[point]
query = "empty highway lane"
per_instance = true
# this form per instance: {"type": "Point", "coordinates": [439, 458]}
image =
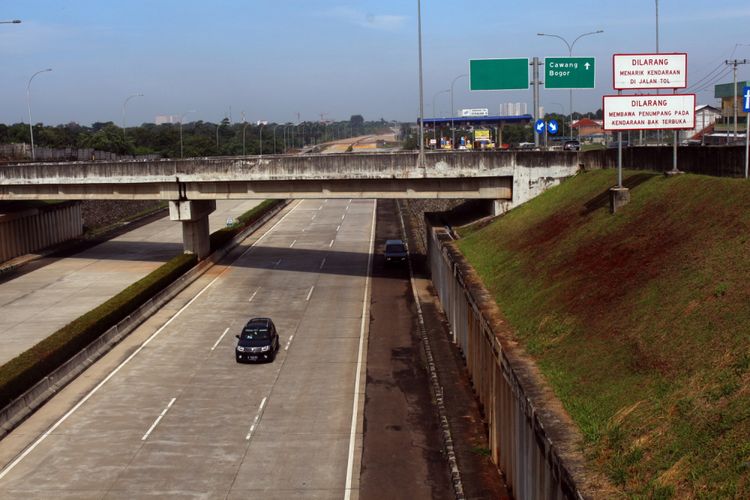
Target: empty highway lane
{"type": "Point", "coordinates": [169, 413]}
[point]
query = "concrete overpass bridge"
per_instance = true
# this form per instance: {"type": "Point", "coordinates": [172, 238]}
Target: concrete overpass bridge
{"type": "Point", "coordinates": [192, 186]}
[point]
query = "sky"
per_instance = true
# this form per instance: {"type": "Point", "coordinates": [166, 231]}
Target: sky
{"type": "Point", "coordinates": [284, 61]}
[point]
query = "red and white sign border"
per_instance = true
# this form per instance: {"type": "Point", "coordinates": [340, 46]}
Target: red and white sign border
{"type": "Point", "coordinates": [652, 54]}
{"type": "Point", "coordinates": [656, 96]}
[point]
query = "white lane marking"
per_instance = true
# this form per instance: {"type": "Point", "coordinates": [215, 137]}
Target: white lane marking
{"type": "Point", "coordinates": [295, 241]}
{"type": "Point", "coordinates": [320, 207]}
{"type": "Point", "coordinates": [362, 330]}
{"type": "Point", "coordinates": [313, 217]}
{"type": "Point", "coordinates": [338, 227]}
{"type": "Point", "coordinates": [256, 419]}
{"type": "Point", "coordinates": [253, 295]}
{"type": "Point", "coordinates": [222, 335]}
{"type": "Point", "coordinates": [93, 391]}
{"type": "Point", "coordinates": [158, 419]}
{"type": "Point", "coordinates": [342, 217]}
{"type": "Point", "coordinates": [322, 263]}
{"type": "Point", "coordinates": [275, 265]}
{"type": "Point", "coordinates": [331, 243]}
{"type": "Point", "coordinates": [289, 342]}
{"type": "Point", "coordinates": [309, 294]}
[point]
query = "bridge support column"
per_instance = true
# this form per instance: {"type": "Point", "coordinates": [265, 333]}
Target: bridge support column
{"type": "Point", "coordinates": [194, 218]}
{"type": "Point", "coordinates": [499, 207]}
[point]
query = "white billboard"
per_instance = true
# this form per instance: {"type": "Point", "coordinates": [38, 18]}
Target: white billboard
{"type": "Point", "coordinates": [649, 112]}
{"type": "Point", "coordinates": [475, 112]}
{"type": "Point", "coordinates": [649, 71]}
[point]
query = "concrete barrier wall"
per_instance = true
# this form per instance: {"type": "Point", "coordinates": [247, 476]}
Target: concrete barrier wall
{"type": "Point", "coordinates": [30, 230]}
{"type": "Point", "coordinates": [521, 412]}
{"type": "Point", "coordinates": [720, 161]}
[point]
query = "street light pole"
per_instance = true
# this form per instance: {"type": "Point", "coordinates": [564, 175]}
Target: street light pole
{"type": "Point", "coordinates": [260, 137]}
{"type": "Point", "coordinates": [124, 107]}
{"type": "Point", "coordinates": [421, 87]}
{"type": "Point", "coordinates": [244, 127]}
{"type": "Point", "coordinates": [28, 104]}
{"type": "Point", "coordinates": [181, 120]}
{"type": "Point", "coordinates": [570, 54]}
{"type": "Point", "coordinates": [453, 112]}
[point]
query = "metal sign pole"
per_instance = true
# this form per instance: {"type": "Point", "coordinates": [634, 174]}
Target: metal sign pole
{"type": "Point", "coordinates": [535, 84]}
{"type": "Point", "coordinates": [619, 154]}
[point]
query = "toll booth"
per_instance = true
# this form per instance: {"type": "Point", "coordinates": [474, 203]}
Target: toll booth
{"type": "Point", "coordinates": [470, 132]}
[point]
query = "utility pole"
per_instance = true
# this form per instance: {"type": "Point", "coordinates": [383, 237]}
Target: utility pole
{"type": "Point", "coordinates": [734, 63]}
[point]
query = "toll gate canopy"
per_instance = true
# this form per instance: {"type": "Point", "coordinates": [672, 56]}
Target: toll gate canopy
{"type": "Point", "coordinates": [442, 128]}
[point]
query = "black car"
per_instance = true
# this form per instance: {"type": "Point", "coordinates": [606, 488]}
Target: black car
{"type": "Point", "coordinates": [572, 146]}
{"type": "Point", "coordinates": [395, 251]}
{"type": "Point", "coordinates": [258, 341]}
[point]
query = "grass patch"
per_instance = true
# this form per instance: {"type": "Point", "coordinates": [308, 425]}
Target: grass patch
{"type": "Point", "coordinates": [639, 320]}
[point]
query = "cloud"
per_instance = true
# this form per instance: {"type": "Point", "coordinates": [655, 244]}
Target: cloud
{"type": "Point", "coordinates": [350, 15]}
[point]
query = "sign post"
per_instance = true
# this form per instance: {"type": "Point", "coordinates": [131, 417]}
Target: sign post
{"type": "Point", "coordinates": [647, 112]}
{"type": "Point", "coordinates": [746, 109]}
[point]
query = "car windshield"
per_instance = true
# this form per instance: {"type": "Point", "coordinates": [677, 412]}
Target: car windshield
{"type": "Point", "coordinates": [255, 333]}
{"type": "Point", "coordinates": [395, 248]}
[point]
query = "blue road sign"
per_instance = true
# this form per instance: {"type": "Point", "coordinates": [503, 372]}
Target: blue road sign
{"type": "Point", "coordinates": [539, 126]}
{"type": "Point", "coordinates": [553, 127]}
{"type": "Point", "coordinates": [746, 100]}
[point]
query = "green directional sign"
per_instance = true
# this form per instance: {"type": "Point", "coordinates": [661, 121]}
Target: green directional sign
{"type": "Point", "coordinates": [499, 74]}
{"type": "Point", "coordinates": [569, 72]}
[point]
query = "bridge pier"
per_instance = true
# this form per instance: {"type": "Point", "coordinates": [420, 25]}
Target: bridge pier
{"type": "Point", "coordinates": [194, 218]}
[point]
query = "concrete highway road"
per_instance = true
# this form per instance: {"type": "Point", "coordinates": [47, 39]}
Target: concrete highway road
{"type": "Point", "coordinates": [169, 413]}
{"type": "Point", "coordinates": [36, 304]}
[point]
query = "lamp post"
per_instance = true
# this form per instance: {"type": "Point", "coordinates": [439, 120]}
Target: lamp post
{"type": "Point", "coordinates": [434, 114]}
{"type": "Point", "coordinates": [28, 104]}
{"type": "Point", "coordinates": [260, 136]}
{"type": "Point", "coordinates": [244, 127]}
{"type": "Point", "coordinates": [570, 54]}
{"type": "Point", "coordinates": [274, 137]}
{"type": "Point", "coordinates": [182, 118]}
{"type": "Point", "coordinates": [453, 112]}
{"type": "Point", "coordinates": [124, 108]}
{"type": "Point", "coordinates": [421, 87]}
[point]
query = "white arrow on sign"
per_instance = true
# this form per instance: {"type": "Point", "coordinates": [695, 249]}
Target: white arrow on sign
{"type": "Point", "coordinates": [539, 126]}
{"type": "Point", "coordinates": [553, 128]}
{"type": "Point", "coordinates": [587, 66]}
{"type": "Point", "coordinates": [747, 99]}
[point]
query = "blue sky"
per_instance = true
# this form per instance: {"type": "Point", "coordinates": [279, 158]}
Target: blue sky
{"type": "Point", "coordinates": [274, 59]}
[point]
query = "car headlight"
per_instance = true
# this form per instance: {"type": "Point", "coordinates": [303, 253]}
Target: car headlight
{"type": "Point", "coordinates": [265, 348]}
{"type": "Point", "coordinates": [240, 349]}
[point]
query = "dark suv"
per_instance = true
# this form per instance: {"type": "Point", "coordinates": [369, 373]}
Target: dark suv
{"type": "Point", "coordinates": [258, 341]}
{"type": "Point", "coordinates": [395, 251]}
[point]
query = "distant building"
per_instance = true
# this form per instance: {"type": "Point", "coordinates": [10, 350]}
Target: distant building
{"type": "Point", "coordinates": [162, 119]}
{"type": "Point", "coordinates": [589, 129]}
{"type": "Point", "coordinates": [513, 109]}
{"type": "Point", "coordinates": [705, 117]}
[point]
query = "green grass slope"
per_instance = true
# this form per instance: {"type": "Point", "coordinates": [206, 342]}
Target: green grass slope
{"type": "Point", "coordinates": [640, 321]}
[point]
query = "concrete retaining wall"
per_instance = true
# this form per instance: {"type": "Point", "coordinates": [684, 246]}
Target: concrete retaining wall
{"type": "Point", "coordinates": [720, 161]}
{"type": "Point", "coordinates": [20, 409]}
{"type": "Point", "coordinates": [30, 230]}
{"type": "Point", "coordinates": [23, 151]}
{"type": "Point", "coordinates": [532, 441]}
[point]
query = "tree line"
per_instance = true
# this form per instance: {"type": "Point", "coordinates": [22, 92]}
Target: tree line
{"type": "Point", "coordinates": [199, 138]}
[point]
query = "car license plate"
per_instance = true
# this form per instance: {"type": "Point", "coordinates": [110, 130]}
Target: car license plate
{"type": "Point", "coordinates": [253, 358]}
